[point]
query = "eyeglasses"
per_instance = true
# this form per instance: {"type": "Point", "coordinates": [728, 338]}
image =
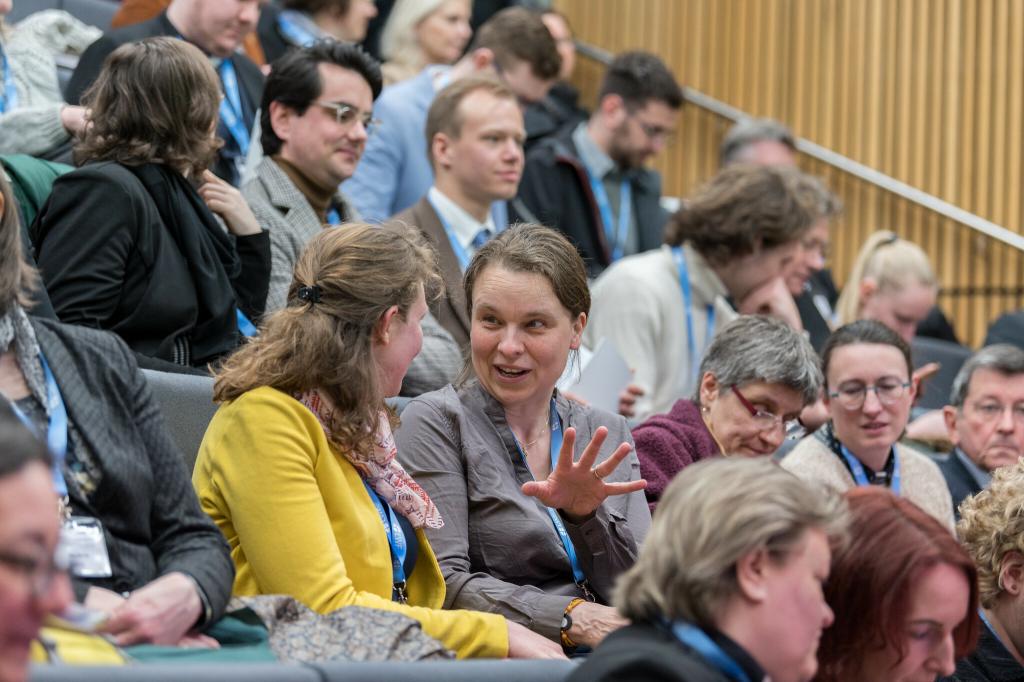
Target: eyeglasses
{"type": "Point", "coordinates": [765, 420]}
{"type": "Point", "coordinates": [990, 411]}
{"type": "Point", "coordinates": [852, 395]}
{"type": "Point", "coordinates": [38, 572]}
{"type": "Point", "coordinates": [656, 133]}
{"type": "Point", "coordinates": [346, 115]}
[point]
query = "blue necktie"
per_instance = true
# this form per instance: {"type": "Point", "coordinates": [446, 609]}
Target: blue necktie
{"type": "Point", "coordinates": [481, 238]}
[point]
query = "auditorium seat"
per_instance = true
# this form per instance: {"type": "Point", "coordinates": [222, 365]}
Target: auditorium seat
{"type": "Point", "coordinates": [950, 356]}
{"type": "Point", "coordinates": [450, 671]}
{"type": "Point", "coordinates": [96, 13]}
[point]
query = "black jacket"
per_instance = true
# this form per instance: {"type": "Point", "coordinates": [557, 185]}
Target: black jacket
{"type": "Point", "coordinates": [110, 261]}
{"type": "Point", "coordinates": [555, 191]}
{"type": "Point", "coordinates": [151, 517]}
{"type": "Point", "coordinates": [960, 481]}
{"type": "Point", "coordinates": [250, 81]}
{"type": "Point", "coordinates": [990, 662]}
{"type": "Point", "coordinates": [643, 652]}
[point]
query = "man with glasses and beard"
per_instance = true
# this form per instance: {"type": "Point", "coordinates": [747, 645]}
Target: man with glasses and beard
{"type": "Point", "coordinates": [590, 182]}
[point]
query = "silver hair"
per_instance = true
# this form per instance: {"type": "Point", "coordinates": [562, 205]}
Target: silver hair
{"type": "Point", "coordinates": [1004, 358]}
{"type": "Point", "coordinates": [749, 131]}
{"type": "Point", "coordinates": [758, 348]}
{"type": "Point", "coordinates": [712, 515]}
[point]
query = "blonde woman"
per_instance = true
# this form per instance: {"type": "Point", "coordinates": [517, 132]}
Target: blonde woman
{"type": "Point", "coordinates": [991, 529]}
{"type": "Point", "coordinates": [892, 281]}
{"type": "Point", "coordinates": [424, 32]}
{"type": "Point", "coordinates": [298, 467]}
{"type": "Point", "coordinates": [728, 584]}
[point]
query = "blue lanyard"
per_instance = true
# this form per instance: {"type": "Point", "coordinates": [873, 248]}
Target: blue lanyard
{"type": "Point", "coordinates": [9, 97]}
{"type": "Point", "coordinates": [860, 477]}
{"type": "Point", "coordinates": [231, 106]}
{"type": "Point", "coordinates": [296, 35]}
{"type": "Point", "coordinates": [57, 429]}
{"type": "Point", "coordinates": [245, 325]}
{"type": "Point", "coordinates": [563, 534]}
{"type": "Point", "coordinates": [333, 217]}
{"type": "Point", "coordinates": [396, 542]}
{"type": "Point", "coordinates": [698, 640]}
{"type": "Point", "coordinates": [460, 253]}
{"type": "Point", "coordinates": [988, 624]}
{"type": "Point", "coordinates": [709, 332]}
{"type": "Point", "coordinates": [616, 242]}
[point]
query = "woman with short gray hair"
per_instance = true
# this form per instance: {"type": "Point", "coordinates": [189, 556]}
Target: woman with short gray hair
{"type": "Point", "coordinates": [757, 376]}
{"type": "Point", "coordinates": [728, 581]}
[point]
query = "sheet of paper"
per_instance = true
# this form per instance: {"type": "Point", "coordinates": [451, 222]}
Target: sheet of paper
{"type": "Point", "coordinates": [601, 378]}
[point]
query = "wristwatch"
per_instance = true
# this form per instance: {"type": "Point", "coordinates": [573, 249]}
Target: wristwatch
{"type": "Point", "coordinates": [567, 623]}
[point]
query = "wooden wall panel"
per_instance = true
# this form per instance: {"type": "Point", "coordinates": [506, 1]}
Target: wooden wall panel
{"type": "Point", "coordinates": [930, 92]}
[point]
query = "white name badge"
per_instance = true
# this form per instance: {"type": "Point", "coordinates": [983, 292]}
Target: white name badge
{"type": "Point", "coordinates": [86, 548]}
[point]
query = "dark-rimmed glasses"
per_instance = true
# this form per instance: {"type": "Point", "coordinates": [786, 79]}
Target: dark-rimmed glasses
{"type": "Point", "coordinates": [39, 572]}
{"type": "Point", "coordinates": [851, 396]}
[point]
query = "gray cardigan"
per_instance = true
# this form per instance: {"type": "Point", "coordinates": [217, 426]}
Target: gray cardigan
{"type": "Point", "coordinates": [498, 550]}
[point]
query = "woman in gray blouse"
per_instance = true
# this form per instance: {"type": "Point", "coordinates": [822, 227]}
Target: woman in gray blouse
{"type": "Point", "coordinates": [528, 532]}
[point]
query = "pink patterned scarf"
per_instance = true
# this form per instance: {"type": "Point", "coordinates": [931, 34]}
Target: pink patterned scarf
{"type": "Point", "coordinates": [381, 470]}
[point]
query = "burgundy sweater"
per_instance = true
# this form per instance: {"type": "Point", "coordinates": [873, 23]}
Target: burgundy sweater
{"type": "Point", "coordinates": [667, 443]}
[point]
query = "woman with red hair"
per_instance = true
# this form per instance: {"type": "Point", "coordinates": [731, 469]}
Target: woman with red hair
{"type": "Point", "coordinates": [904, 593]}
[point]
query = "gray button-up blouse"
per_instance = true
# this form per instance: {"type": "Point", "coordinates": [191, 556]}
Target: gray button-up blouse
{"type": "Point", "coordinates": [499, 550]}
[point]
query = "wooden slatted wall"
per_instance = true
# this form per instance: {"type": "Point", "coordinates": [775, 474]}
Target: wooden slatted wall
{"type": "Point", "coordinates": [930, 92]}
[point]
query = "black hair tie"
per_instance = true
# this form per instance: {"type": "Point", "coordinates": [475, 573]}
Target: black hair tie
{"type": "Point", "coordinates": [310, 294]}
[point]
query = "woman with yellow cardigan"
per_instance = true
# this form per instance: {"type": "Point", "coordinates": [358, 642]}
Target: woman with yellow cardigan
{"type": "Point", "coordinates": [298, 466]}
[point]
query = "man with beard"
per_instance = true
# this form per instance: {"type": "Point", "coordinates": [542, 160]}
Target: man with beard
{"type": "Point", "coordinates": [590, 182]}
{"type": "Point", "coordinates": [985, 419]}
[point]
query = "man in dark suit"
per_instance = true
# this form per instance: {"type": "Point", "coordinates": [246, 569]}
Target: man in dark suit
{"type": "Point", "coordinates": [985, 419]}
{"type": "Point", "coordinates": [475, 132]}
{"type": "Point", "coordinates": [217, 27]}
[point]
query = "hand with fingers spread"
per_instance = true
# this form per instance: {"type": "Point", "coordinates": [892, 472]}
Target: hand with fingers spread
{"type": "Point", "coordinates": [578, 488]}
{"type": "Point", "coordinates": [227, 202]}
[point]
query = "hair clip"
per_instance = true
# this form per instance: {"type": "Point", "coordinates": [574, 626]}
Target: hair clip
{"type": "Point", "coordinates": [310, 294]}
{"type": "Point", "coordinates": [891, 239]}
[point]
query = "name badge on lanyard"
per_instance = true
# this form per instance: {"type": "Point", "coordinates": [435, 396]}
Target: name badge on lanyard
{"type": "Point", "coordinates": [397, 544]}
{"type": "Point", "coordinates": [860, 476]}
{"type": "Point", "coordinates": [616, 239]}
{"type": "Point", "coordinates": [563, 535]}
{"type": "Point", "coordinates": [709, 332]}
{"type": "Point", "coordinates": [86, 547]}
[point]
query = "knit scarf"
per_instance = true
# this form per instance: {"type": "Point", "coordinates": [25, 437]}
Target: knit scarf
{"type": "Point", "coordinates": [380, 469]}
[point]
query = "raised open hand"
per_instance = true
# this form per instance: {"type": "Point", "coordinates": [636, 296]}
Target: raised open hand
{"type": "Point", "coordinates": [578, 488]}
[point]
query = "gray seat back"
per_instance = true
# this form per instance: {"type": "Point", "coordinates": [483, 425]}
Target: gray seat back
{"type": "Point", "coordinates": [187, 404]}
{"type": "Point", "coordinates": [950, 356]}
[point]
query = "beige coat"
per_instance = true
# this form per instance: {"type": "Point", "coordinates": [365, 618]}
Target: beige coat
{"type": "Point", "coordinates": [921, 480]}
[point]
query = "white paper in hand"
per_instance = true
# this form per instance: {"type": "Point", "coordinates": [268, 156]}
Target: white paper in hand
{"type": "Point", "coordinates": [602, 377]}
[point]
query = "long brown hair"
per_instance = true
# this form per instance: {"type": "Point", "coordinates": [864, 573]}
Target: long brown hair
{"type": "Point", "coordinates": [155, 101]}
{"type": "Point", "coordinates": [18, 279]}
{"type": "Point", "coordinates": [892, 543]}
{"type": "Point", "coordinates": [360, 271]}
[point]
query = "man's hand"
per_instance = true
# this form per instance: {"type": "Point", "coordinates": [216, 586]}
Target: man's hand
{"type": "Point", "coordinates": [162, 612]}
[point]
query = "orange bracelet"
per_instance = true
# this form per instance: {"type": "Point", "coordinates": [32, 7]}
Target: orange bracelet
{"type": "Point", "coordinates": [567, 623]}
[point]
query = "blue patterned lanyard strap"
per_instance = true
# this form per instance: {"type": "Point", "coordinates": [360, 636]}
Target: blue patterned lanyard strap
{"type": "Point", "coordinates": [57, 429]}
{"type": "Point", "coordinates": [705, 647]}
{"type": "Point", "coordinates": [616, 240]}
{"type": "Point", "coordinates": [245, 325]}
{"type": "Point", "coordinates": [687, 289]}
{"type": "Point", "coordinates": [9, 96]}
{"type": "Point", "coordinates": [231, 106]}
{"type": "Point", "coordinates": [860, 476]}
{"type": "Point", "coordinates": [396, 542]}
{"type": "Point", "coordinates": [556, 446]}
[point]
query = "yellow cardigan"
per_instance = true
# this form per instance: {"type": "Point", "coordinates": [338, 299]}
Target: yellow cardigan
{"type": "Point", "coordinates": [300, 522]}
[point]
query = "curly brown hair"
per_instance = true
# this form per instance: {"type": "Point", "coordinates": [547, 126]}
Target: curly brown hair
{"type": "Point", "coordinates": [18, 279]}
{"type": "Point", "coordinates": [744, 209]}
{"type": "Point", "coordinates": [361, 271]}
{"type": "Point", "coordinates": [155, 101]}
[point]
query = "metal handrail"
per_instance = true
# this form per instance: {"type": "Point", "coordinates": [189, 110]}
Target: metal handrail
{"type": "Point", "coordinates": [843, 163]}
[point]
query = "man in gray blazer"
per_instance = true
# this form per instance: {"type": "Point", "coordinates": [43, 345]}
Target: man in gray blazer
{"type": "Point", "coordinates": [316, 116]}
